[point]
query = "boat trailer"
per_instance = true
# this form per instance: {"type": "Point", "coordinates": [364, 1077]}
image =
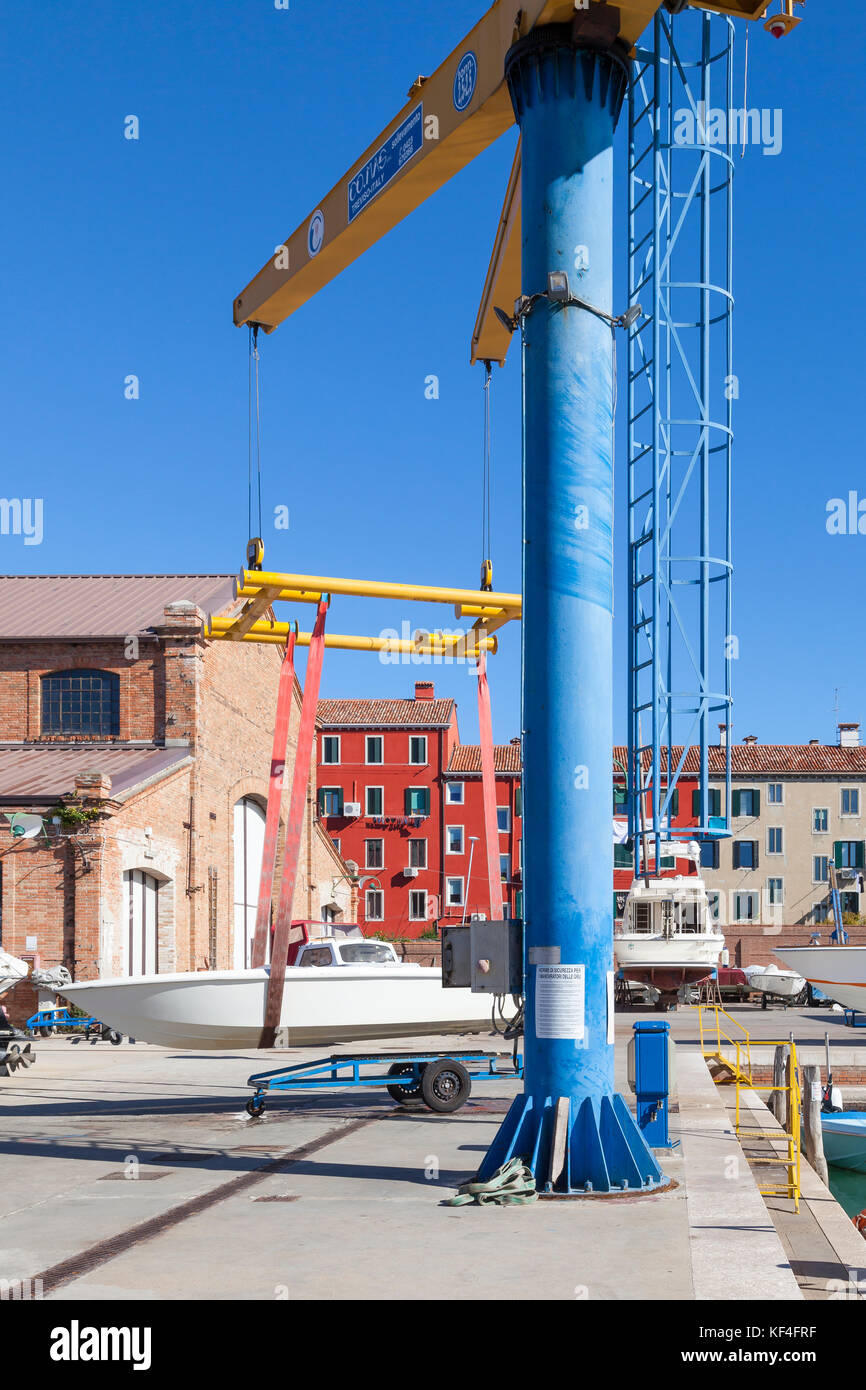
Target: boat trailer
{"type": "Point", "coordinates": [46, 1021]}
{"type": "Point", "coordinates": [442, 1082]}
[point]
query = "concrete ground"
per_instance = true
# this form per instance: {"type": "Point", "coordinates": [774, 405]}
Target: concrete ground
{"type": "Point", "coordinates": [133, 1172]}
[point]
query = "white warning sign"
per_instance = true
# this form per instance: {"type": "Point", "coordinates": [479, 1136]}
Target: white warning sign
{"type": "Point", "coordinates": [559, 1001]}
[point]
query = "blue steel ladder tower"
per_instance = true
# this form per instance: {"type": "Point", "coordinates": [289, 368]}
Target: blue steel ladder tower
{"type": "Point", "coordinates": [680, 397]}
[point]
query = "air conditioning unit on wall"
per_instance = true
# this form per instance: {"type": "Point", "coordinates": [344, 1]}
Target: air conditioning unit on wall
{"type": "Point", "coordinates": [410, 872]}
{"type": "Point", "coordinates": [351, 808]}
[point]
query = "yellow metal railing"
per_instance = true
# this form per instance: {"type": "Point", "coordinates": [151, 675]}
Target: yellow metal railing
{"type": "Point", "coordinates": [715, 1038]}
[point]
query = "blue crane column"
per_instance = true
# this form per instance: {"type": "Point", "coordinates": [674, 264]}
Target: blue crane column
{"type": "Point", "coordinates": [576, 1133]}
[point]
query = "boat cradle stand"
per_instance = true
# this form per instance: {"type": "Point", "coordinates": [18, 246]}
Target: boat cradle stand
{"type": "Point", "coordinates": [852, 1016]}
{"type": "Point", "coordinates": [441, 1081]}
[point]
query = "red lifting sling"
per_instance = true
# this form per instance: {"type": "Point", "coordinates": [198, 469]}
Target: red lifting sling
{"type": "Point", "coordinates": [275, 796]}
{"type": "Point", "coordinates": [294, 827]}
{"type": "Point", "coordinates": [488, 791]}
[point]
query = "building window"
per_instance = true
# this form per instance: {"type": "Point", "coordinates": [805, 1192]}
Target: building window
{"type": "Point", "coordinates": [503, 819]}
{"type": "Point", "coordinates": [745, 907]}
{"type": "Point", "coordinates": [775, 792]}
{"type": "Point", "coordinates": [374, 748]}
{"type": "Point", "coordinates": [745, 801]}
{"type": "Point", "coordinates": [745, 854]}
{"type": "Point", "coordinates": [454, 839]}
{"type": "Point", "coordinates": [504, 867]}
{"type": "Point", "coordinates": [850, 801]}
{"type": "Point", "coordinates": [418, 905]}
{"type": "Point", "coordinates": [454, 892]}
{"type": "Point", "coordinates": [820, 911]}
{"type": "Point", "coordinates": [454, 793]}
{"type": "Point", "coordinates": [331, 748]}
{"type": "Point", "coordinates": [820, 868]}
{"type": "Point", "coordinates": [710, 854]}
{"type": "Point", "coordinates": [375, 904]}
{"type": "Point", "coordinates": [417, 854]}
{"type": "Point", "coordinates": [416, 801]}
{"type": "Point", "coordinates": [330, 801]}
{"type": "Point", "coordinates": [674, 803]}
{"type": "Point", "coordinates": [375, 854]}
{"type": "Point", "coordinates": [417, 749]}
{"type": "Point", "coordinates": [81, 702]}
{"type": "Point", "coordinates": [714, 802]}
{"type": "Point", "coordinates": [620, 799]}
{"type": "Point", "coordinates": [335, 841]}
{"type": "Point", "coordinates": [374, 800]}
{"type": "Point", "coordinates": [774, 839]}
{"type": "Point", "coordinates": [622, 857]}
{"type": "Point", "coordinates": [775, 892]}
{"type": "Point", "coordinates": [848, 854]}
{"type": "Point", "coordinates": [714, 904]}
{"type": "Point", "coordinates": [820, 820]}
{"type": "Point", "coordinates": [850, 902]}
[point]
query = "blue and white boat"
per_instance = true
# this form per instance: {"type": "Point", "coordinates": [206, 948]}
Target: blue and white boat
{"type": "Point", "coordinates": [845, 1139]}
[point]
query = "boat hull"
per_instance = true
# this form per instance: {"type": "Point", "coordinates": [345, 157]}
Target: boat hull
{"type": "Point", "coordinates": [219, 1010]}
{"type": "Point", "coordinates": [845, 1139]}
{"type": "Point", "coordinates": [784, 984]}
{"type": "Point", "coordinates": [838, 971]}
{"type": "Point", "coordinates": [667, 963]}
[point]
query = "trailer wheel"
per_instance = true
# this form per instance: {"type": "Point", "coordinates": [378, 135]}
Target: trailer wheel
{"type": "Point", "coordinates": [255, 1107]}
{"type": "Point", "coordinates": [405, 1095]}
{"type": "Point", "coordinates": [445, 1085]}
{"type": "Point", "coordinates": [113, 1037]}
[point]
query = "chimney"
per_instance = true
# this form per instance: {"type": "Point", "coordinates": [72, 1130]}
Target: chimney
{"type": "Point", "coordinates": [425, 690]}
{"type": "Point", "coordinates": [814, 742]}
{"type": "Point", "coordinates": [750, 738]}
{"type": "Point", "coordinates": [92, 785]}
{"type": "Point", "coordinates": [849, 735]}
{"type": "Point", "coordinates": [723, 735]}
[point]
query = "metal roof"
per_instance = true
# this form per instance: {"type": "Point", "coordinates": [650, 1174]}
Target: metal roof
{"type": "Point", "coordinates": [101, 605]}
{"type": "Point", "coordinates": [380, 714]}
{"type": "Point", "coordinates": [40, 774]}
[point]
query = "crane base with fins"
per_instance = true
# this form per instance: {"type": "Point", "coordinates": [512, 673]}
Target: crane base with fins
{"type": "Point", "coordinates": [593, 1149]}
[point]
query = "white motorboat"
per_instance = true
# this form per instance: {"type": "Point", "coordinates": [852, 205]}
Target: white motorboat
{"type": "Point", "coordinates": [339, 988]}
{"type": "Point", "coordinates": [844, 1134]}
{"type": "Point", "coordinates": [11, 971]}
{"type": "Point", "coordinates": [668, 937]}
{"type": "Point", "coordinates": [837, 971]}
{"type": "Point", "coordinates": [769, 979]}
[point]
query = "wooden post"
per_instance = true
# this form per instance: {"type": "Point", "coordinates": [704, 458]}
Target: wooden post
{"type": "Point", "coordinates": [777, 1097]}
{"type": "Point", "coordinates": [813, 1137]}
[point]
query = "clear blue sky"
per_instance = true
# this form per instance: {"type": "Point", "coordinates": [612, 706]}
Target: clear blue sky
{"type": "Point", "coordinates": [124, 257]}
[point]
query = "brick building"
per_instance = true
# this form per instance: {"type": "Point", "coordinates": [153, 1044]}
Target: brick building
{"type": "Point", "coordinates": [401, 797]}
{"type": "Point", "coordinates": [146, 751]}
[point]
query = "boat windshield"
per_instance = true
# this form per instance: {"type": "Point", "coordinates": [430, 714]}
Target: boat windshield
{"type": "Point", "coordinates": [366, 953]}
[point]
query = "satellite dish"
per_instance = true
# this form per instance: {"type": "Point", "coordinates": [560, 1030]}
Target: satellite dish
{"type": "Point", "coordinates": [24, 826]}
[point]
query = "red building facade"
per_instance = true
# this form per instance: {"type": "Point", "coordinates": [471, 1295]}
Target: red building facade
{"type": "Point", "coordinates": [401, 797]}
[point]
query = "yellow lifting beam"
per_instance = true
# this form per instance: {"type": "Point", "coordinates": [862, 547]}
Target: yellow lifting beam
{"type": "Point", "coordinates": [465, 644]}
{"type": "Point", "coordinates": [250, 583]}
{"type": "Point", "coordinates": [450, 117]}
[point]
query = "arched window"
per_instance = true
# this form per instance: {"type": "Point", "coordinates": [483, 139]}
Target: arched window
{"type": "Point", "coordinates": [249, 841]}
{"type": "Point", "coordinates": [81, 702]}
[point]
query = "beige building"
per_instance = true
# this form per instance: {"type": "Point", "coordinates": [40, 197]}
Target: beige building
{"type": "Point", "coordinates": [795, 810]}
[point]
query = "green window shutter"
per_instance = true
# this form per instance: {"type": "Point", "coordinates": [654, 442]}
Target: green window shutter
{"type": "Point", "coordinates": [518, 903]}
{"type": "Point", "coordinates": [837, 853]}
{"type": "Point", "coordinates": [696, 803]}
{"type": "Point", "coordinates": [859, 863]}
{"type": "Point", "coordinates": [518, 800]}
{"type": "Point", "coordinates": [675, 802]}
{"type": "Point", "coordinates": [735, 803]}
{"type": "Point", "coordinates": [715, 801]}
{"type": "Point", "coordinates": [321, 801]}
{"type": "Point", "coordinates": [407, 802]}
{"type": "Point", "coordinates": [756, 801]}
{"type": "Point", "coordinates": [425, 801]}
{"type": "Point", "coordinates": [756, 852]}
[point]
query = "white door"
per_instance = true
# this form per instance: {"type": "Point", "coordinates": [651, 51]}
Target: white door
{"type": "Point", "coordinates": [142, 905]}
{"type": "Point", "coordinates": [249, 842]}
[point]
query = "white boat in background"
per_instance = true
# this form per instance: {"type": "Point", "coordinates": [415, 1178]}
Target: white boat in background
{"type": "Point", "coordinates": [343, 988]}
{"type": "Point", "coordinates": [769, 979]}
{"type": "Point", "coordinates": [668, 937]}
{"type": "Point", "coordinates": [845, 1139]}
{"type": "Point", "coordinates": [837, 971]}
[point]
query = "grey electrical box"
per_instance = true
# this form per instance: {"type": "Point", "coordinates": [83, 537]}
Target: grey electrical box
{"type": "Point", "coordinates": [486, 957]}
{"type": "Point", "coordinates": [455, 958]}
